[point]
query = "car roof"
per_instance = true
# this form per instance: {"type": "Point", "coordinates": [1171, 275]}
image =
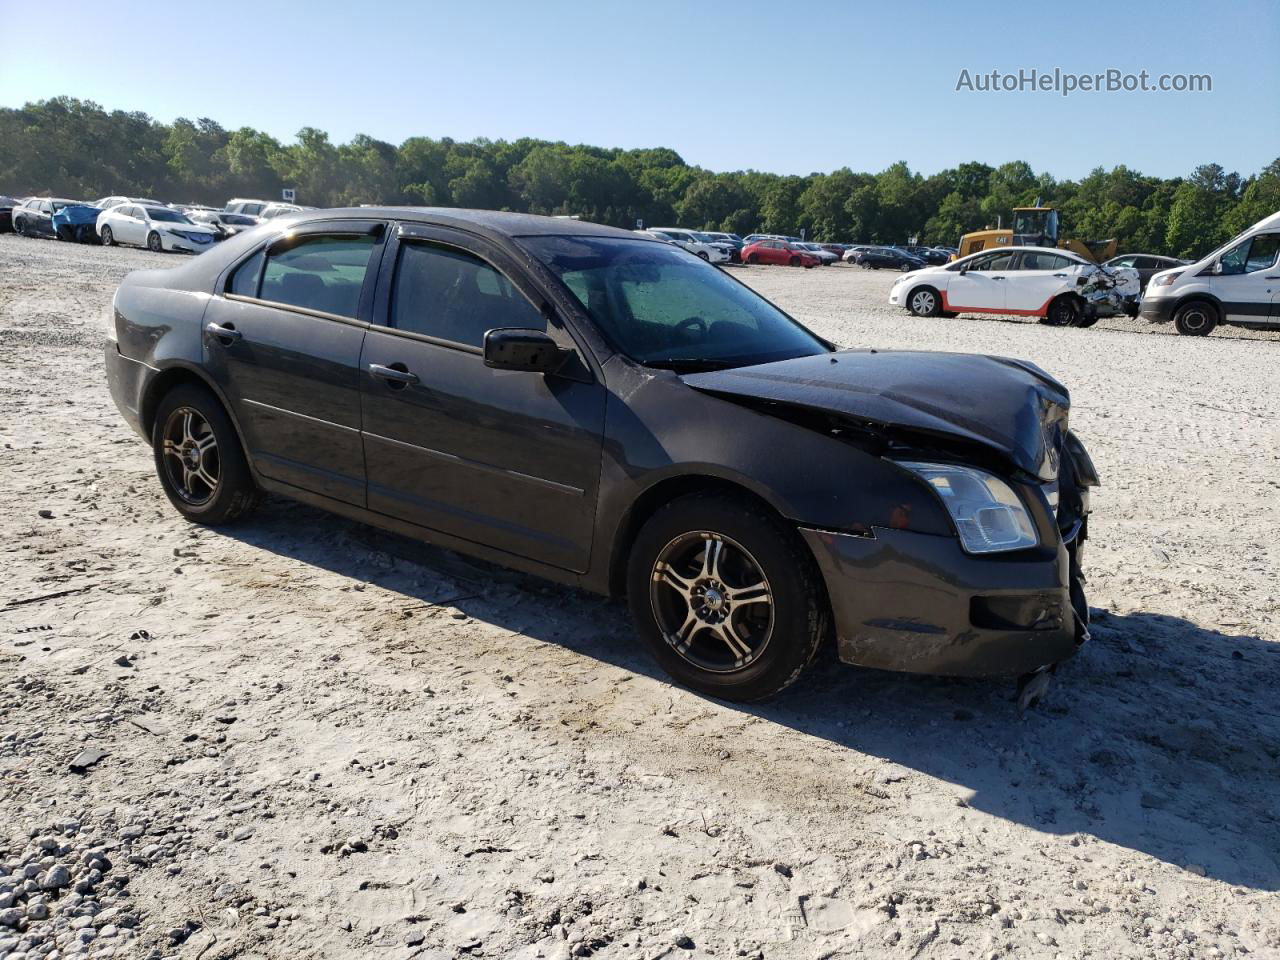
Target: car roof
{"type": "Point", "coordinates": [499, 222]}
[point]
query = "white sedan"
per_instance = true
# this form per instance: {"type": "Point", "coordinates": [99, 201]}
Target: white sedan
{"type": "Point", "coordinates": [691, 241]}
{"type": "Point", "coordinates": [153, 227]}
{"type": "Point", "coordinates": [1055, 285]}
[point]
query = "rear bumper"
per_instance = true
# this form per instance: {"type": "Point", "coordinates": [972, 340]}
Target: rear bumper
{"type": "Point", "coordinates": [918, 603]}
{"type": "Point", "coordinates": [127, 380]}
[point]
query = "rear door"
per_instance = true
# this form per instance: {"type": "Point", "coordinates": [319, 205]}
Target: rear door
{"type": "Point", "coordinates": [1038, 277]}
{"type": "Point", "coordinates": [127, 225]}
{"type": "Point", "coordinates": [283, 342]}
{"type": "Point", "coordinates": [504, 458]}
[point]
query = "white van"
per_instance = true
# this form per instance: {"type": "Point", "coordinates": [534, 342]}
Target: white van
{"type": "Point", "coordinates": [1239, 283]}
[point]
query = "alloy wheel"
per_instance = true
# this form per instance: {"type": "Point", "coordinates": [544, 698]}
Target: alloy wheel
{"type": "Point", "coordinates": [711, 601]}
{"type": "Point", "coordinates": [191, 456]}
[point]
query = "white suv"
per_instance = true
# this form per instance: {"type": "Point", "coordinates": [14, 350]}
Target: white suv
{"type": "Point", "coordinates": [1055, 285]}
{"type": "Point", "coordinates": [693, 242]}
{"type": "Point", "coordinates": [1239, 283]}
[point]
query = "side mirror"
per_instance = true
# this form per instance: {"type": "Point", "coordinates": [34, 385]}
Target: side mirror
{"type": "Point", "coordinates": [1217, 267]}
{"type": "Point", "coordinates": [963, 271]}
{"type": "Point", "coordinates": [519, 348]}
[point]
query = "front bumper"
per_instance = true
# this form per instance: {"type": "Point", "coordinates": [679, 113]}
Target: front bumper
{"type": "Point", "coordinates": [1156, 309]}
{"type": "Point", "coordinates": [918, 603]}
{"type": "Point", "coordinates": [183, 245]}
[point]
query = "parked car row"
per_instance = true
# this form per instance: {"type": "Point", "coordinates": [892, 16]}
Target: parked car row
{"type": "Point", "coordinates": [142, 221]}
{"type": "Point", "coordinates": [1237, 284]}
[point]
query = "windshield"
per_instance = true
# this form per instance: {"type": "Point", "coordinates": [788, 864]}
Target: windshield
{"type": "Point", "coordinates": [664, 307]}
{"type": "Point", "coordinates": [165, 215]}
{"type": "Point", "coordinates": [236, 220]}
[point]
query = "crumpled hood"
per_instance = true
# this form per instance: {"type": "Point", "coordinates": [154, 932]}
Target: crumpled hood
{"type": "Point", "coordinates": [1011, 406]}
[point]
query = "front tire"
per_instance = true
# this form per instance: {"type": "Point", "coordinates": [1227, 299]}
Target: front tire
{"type": "Point", "coordinates": [154, 243]}
{"type": "Point", "coordinates": [704, 257]}
{"type": "Point", "coordinates": [726, 597]}
{"type": "Point", "coordinates": [752, 259]}
{"type": "Point", "coordinates": [1196, 319]}
{"type": "Point", "coordinates": [108, 238]}
{"type": "Point", "coordinates": [20, 227]}
{"type": "Point", "coordinates": [199, 460]}
{"type": "Point", "coordinates": [924, 302]}
{"type": "Point", "coordinates": [794, 261]}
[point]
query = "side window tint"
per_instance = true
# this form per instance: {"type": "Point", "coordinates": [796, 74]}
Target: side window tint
{"type": "Point", "coordinates": [320, 273]}
{"type": "Point", "coordinates": [244, 282]}
{"type": "Point", "coordinates": [452, 295]}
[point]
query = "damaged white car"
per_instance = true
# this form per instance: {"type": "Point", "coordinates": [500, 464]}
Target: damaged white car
{"type": "Point", "coordinates": [1055, 285]}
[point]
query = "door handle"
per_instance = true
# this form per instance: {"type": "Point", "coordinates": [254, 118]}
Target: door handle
{"type": "Point", "coordinates": [227, 335]}
{"type": "Point", "coordinates": [1061, 276]}
{"type": "Point", "coordinates": [997, 278]}
{"type": "Point", "coordinates": [396, 375]}
{"type": "Point", "coordinates": [1271, 278]}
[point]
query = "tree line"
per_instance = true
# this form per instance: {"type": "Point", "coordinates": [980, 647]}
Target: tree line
{"type": "Point", "coordinates": [75, 148]}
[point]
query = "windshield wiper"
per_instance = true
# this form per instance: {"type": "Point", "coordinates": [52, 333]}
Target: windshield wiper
{"type": "Point", "coordinates": [692, 363]}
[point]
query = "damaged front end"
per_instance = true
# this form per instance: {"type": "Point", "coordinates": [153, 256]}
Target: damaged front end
{"type": "Point", "coordinates": [1109, 291]}
{"type": "Point", "coordinates": [1001, 594]}
{"type": "Point", "coordinates": [77, 223]}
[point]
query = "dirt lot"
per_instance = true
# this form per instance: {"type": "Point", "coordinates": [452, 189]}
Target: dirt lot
{"type": "Point", "coordinates": [324, 741]}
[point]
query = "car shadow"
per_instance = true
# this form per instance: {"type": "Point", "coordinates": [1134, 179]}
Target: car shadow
{"type": "Point", "coordinates": [1162, 736]}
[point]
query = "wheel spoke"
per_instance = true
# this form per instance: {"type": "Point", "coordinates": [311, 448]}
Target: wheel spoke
{"type": "Point", "coordinates": [711, 558]}
{"type": "Point", "coordinates": [664, 573]}
{"type": "Point", "coordinates": [741, 596]}
{"type": "Point", "coordinates": [205, 477]}
{"type": "Point", "coordinates": [187, 418]}
{"type": "Point", "coordinates": [172, 449]}
{"type": "Point", "coordinates": [727, 632]}
{"type": "Point", "coordinates": [206, 443]}
{"type": "Point", "coordinates": [684, 636]}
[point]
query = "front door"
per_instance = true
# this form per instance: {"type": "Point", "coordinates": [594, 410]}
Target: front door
{"type": "Point", "coordinates": [504, 458]}
{"type": "Point", "coordinates": [1249, 280]}
{"type": "Point", "coordinates": [981, 287]}
{"type": "Point", "coordinates": [283, 342]}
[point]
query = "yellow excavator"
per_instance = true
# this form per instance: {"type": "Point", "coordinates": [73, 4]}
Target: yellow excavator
{"type": "Point", "coordinates": [1034, 227]}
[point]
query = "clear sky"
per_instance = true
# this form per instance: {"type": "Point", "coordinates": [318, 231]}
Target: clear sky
{"type": "Point", "coordinates": [788, 87]}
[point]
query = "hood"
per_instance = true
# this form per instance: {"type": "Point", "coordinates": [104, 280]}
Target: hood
{"type": "Point", "coordinates": [189, 228]}
{"type": "Point", "coordinates": [1010, 406]}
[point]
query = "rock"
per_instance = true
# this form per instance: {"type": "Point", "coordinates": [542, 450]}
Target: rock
{"type": "Point", "coordinates": [10, 917]}
{"type": "Point", "coordinates": [1197, 869]}
{"type": "Point", "coordinates": [86, 758]}
{"type": "Point", "coordinates": [683, 941]}
{"type": "Point", "coordinates": [244, 833]}
{"type": "Point", "coordinates": [414, 938]}
{"type": "Point", "coordinates": [57, 878]}
{"type": "Point", "coordinates": [133, 831]}
{"type": "Point", "coordinates": [45, 514]}
{"type": "Point", "coordinates": [782, 869]}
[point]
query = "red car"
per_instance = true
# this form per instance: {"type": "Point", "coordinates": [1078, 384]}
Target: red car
{"type": "Point", "coordinates": [778, 251]}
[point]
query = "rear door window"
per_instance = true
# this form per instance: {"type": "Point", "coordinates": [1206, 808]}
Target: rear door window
{"type": "Point", "coordinates": [324, 273]}
{"type": "Point", "coordinates": [450, 294]}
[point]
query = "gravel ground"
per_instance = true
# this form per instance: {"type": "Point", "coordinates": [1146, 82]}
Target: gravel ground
{"type": "Point", "coordinates": [301, 738]}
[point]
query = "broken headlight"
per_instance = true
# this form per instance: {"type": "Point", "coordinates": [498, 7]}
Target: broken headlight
{"type": "Point", "coordinates": [987, 513]}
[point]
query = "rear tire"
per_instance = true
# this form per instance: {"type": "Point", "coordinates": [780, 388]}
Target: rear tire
{"type": "Point", "coordinates": [199, 460]}
{"type": "Point", "coordinates": [1065, 311]}
{"type": "Point", "coordinates": [726, 596]}
{"type": "Point", "coordinates": [703, 256]}
{"type": "Point", "coordinates": [1196, 319]}
{"type": "Point", "coordinates": [108, 238]}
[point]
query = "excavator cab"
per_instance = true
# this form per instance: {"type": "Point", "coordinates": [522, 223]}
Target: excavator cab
{"type": "Point", "coordinates": [1035, 227]}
